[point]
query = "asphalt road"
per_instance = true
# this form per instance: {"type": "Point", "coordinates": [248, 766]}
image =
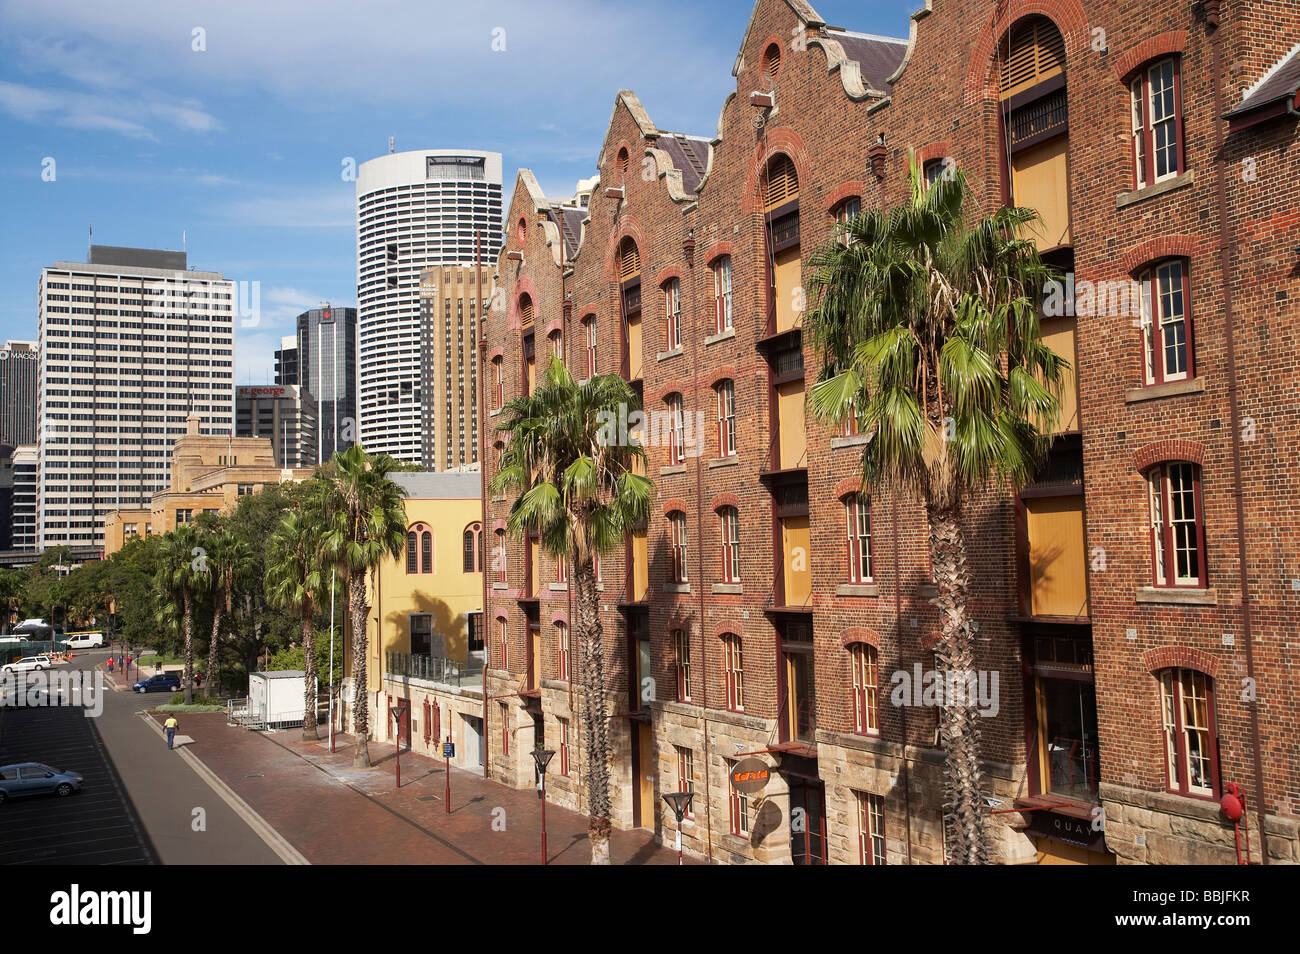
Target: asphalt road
{"type": "Point", "coordinates": [138, 804]}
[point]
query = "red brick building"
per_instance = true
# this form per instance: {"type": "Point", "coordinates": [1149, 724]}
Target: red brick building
{"type": "Point", "coordinates": [771, 607]}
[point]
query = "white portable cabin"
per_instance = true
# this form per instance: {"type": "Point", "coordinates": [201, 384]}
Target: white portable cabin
{"type": "Point", "coordinates": [275, 698]}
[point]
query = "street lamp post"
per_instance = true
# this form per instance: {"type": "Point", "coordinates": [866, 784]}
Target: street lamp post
{"type": "Point", "coordinates": [680, 803]}
{"type": "Point", "coordinates": [398, 712]}
{"type": "Point", "coordinates": [543, 758]}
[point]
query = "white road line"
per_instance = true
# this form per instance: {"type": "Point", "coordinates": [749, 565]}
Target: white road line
{"type": "Point", "coordinates": [274, 840]}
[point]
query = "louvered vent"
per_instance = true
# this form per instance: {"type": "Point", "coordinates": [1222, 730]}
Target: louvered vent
{"type": "Point", "coordinates": [526, 312]}
{"type": "Point", "coordinates": [629, 262]}
{"type": "Point", "coordinates": [782, 182]}
{"type": "Point", "coordinates": [771, 63]}
{"type": "Point", "coordinates": [1033, 51]}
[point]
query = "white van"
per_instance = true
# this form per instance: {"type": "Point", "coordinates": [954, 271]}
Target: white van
{"type": "Point", "coordinates": [83, 640]}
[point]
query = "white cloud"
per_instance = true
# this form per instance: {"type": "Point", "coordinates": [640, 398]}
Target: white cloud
{"type": "Point", "coordinates": [123, 113]}
{"type": "Point", "coordinates": [330, 208]}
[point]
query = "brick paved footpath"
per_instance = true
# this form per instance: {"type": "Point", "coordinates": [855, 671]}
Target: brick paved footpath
{"type": "Point", "coordinates": [334, 814]}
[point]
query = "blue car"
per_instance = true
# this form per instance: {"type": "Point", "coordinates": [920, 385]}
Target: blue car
{"type": "Point", "coordinates": [33, 778]}
{"type": "Point", "coordinates": [163, 682]}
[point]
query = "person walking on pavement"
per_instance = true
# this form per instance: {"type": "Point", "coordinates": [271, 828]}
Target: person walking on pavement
{"type": "Point", "coordinates": [170, 727]}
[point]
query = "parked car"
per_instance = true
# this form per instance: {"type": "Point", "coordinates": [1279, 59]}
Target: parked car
{"type": "Point", "coordinates": [27, 664]}
{"type": "Point", "coordinates": [34, 778]}
{"type": "Point", "coordinates": [83, 640]}
{"type": "Point", "coordinates": [164, 681]}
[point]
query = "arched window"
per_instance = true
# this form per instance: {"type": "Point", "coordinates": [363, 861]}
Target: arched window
{"type": "Point", "coordinates": [1156, 102]}
{"type": "Point", "coordinates": [521, 231]}
{"type": "Point", "coordinates": [845, 212]}
{"type": "Point", "coordinates": [782, 182]}
{"type": "Point", "coordinates": [419, 549]}
{"type": "Point", "coordinates": [562, 650]}
{"type": "Point", "coordinates": [471, 549]}
{"type": "Point", "coordinates": [620, 165]}
{"type": "Point", "coordinates": [771, 62]}
{"type": "Point", "coordinates": [682, 645]}
{"type": "Point", "coordinates": [1165, 304]}
{"type": "Point", "coordinates": [676, 429]}
{"type": "Point", "coordinates": [733, 671]}
{"type": "Point", "coordinates": [677, 534]}
{"type": "Point", "coordinates": [1177, 524]}
{"type": "Point", "coordinates": [412, 552]}
{"type": "Point", "coordinates": [525, 311]}
{"type": "Point", "coordinates": [863, 661]}
{"type": "Point", "coordinates": [935, 169]}
{"type": "Point", "coordinates": [589, 344]}
{"type": "Point", "coordinates": [726, 395]}
{"type": "Point", "coordinates": [426, 552]}
{"type": "Point", "coordinates": [499, 557]}
{"type": "Point", "coordinates": [730, 538]}
{"type": "Point", "coordinates": [722, 317]}
{"type": "Point", "coordinates": [672, 314]}
{"type": "Point", "coordinates": [503, 643]}
{"type": "Point", "coordinates": [498, 383]}
{"type": "Point", "coordinates": [857, 520]}
{"type": "Point", "coordinates": [629, 261]}
{"type": "Point", "coordinates": [1191, 746]}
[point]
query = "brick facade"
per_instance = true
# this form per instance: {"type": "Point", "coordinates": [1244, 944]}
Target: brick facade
{"type": "Point", "coordinates": [846, 110]}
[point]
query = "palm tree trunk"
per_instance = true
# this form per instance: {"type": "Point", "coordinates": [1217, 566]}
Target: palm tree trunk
{"type": "Point", "coordinates": [595, 717]}
{"type": "Point", "coordinates": [217, 607]}
{"type": "Point", "coordinates": [966, 837]}
{"type": "Point", "coordinates": [360, 689]}
{"type": "Point", "coordinates": [189, 652]}
{"type": "Point", "coordinates": [309, 732]}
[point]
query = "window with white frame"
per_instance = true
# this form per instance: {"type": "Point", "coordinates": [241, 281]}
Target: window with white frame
{"type": "Point", "coordinates": [1177, 531]}
{"type": "Point", "coordinates": [726, 394]}
{"type": "Point", "coordinates": [677, 534]}
{"type": "Point", "coordinates": [1155, 105]}
{"type": "Point", "coordinates": [1166, 322]}
{"type": "Point", "coordinates": [738, 804]}
{"type": "Point", "coordinates": [871, 828]}
{"type": "Point", "coordinates": [733, 672]}
{"type": "Point", "coordinates": [730, 519]}
{"type": "Point", "coordinates": [723, 320]}
{"type": "Point", "coordinates": [1191, 757]}
{"type": "Point", "coordinates": [863, 660]}
{"type": "Point", "coordinates": [857, 516]}
{"type": "Point", "coordinates": [682, 645]}
{"type": "Point", "coordinates": [676, 430]}
{"type": "Point", "coordinates": [672, 314]}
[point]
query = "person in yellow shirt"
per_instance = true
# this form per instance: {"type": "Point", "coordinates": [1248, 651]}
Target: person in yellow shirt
{"type": "Point", "coordinates": [170, 727]}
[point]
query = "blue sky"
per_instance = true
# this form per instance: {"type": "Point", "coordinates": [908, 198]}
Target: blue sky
{"type": "Point", "coordinates": [241, 144]}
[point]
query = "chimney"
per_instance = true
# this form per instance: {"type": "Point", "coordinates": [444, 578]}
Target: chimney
{"type": "Point", "coordinates": [192, 423]}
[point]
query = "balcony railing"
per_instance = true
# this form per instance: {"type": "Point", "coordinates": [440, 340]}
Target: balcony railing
{"type": "Point", "coordinates": [435, 668]}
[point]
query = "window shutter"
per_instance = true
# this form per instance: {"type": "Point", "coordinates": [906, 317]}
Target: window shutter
{"type": "Point", "coordinates": [630, 266]}
{"type": "Point", "coordinates": [782, 182]}
{"type": "Point", "coordinates": [1033, 51]}
{"type": "Point", "coordinates": [526, 312]}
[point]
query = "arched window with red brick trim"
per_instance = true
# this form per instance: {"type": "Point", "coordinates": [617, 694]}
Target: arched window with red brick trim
{"type": "Point", "coordinates": [498, 383]}
{"type": "Point", "coordinates": [677, 537]}
{"type": "Point", "coordinates": [723, 319]}
{"type": "Point", "coordinates": [845, 212]}
{"type": "Point", "coordinates": [857, 523]}
{"type": "Point", "coordinates": [589, 344]}
{"type": "Point", "coordinates": [1190, 734]}
{"type": "Point", "coordinates": [865, 667]}
{"type": "Point", "coordinates": [1177, 524]}
{"type": "Point", "coordinates": [725, 390]}
{"type": "Point", "coordinates": [733, 671]}
{"type": "Point", "coordinates": [676, 429]}
{"type": "Point", "coordinates": [672, 314]}
{"type": "Point", "coordinates": [472, 549]}
{"type": "Point", "coordinates": [1156, 109]}
{"type": "Point", "coordinates": [729, 518]}
{"type": "Point", "coordinates": [1165, 303]}
{"type": "Point", "coordinates": [499, 560]}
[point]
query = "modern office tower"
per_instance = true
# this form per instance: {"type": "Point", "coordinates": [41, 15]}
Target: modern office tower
{"type": "Point", "coordinates": [23, 536]}
{"type": "Point", "coordinates": [131, 343]}
{"type": "Point", "coordinates": [18, 367]}
{"type": "Point", "coordinates": [415, 210]}
{"type": "Point", "coordinates": [327, 370]}
{"type": "Point", "coordinates": [286, 361]}
{"type": "Point", "coordinates": [283, 414]}
{"type": "Point", "coordinates": [448, 368]}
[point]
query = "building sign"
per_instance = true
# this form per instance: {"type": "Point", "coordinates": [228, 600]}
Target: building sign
{"type": "Point", "coordinates": [247, 391]}
{"type": "Point", "coordinates": [449, 750]}
{"type": "Point", "coordinates": [750, 775]}
{"type": "Point", "coordinates": [1066, 828]}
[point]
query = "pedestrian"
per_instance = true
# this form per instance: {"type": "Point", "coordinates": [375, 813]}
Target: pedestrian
{"type": "Point", "coordinates": [110, 665]}
{"type": "Point", "coordinates": [198, 680]}
{"type": "Point", "coordinates": [170, 726]}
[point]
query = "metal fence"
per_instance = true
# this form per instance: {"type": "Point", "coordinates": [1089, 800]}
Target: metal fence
{"type": "Point", "coordinates": [434, 668]}
{"type": "Point", "coordinates": [241, 711]}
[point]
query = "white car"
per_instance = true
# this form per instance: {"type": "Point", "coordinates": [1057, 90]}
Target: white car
{"type": "Point", "coordinates": [27, 664]}
{"type": "Point", "coordinates": [83, 640]}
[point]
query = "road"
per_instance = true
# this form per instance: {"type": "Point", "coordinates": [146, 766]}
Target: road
{"type": "Point", "coordinates": [138, 804]}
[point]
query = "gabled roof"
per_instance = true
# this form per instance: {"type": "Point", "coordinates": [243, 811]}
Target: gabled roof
{"type": "Point", "coordinates": [569, 219]}
{"type": "Point", "coordinates": [878, 57]}
{"type": "Point", "coordinates": [1277, 89]}
{"type": "Point", "coordinates": [690, 155]}
{"type": "Point", "coordinates": [804, 11]}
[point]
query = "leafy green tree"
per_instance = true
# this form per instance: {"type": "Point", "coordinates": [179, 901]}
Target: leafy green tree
{"type": "Point", "coordinates": [231, 561]}
{"type": "Point", "coordinates": [13, 591]}
{"type": "Point", "coordinates": [928, 322]}
{"type": "Point", "coordinates": [577, 490]}
{"type": "Point", "coordinates": [183, 575]}
{"type": "Point", "coordinates": [365, 525]}
{"type": "Point", "coordinates": [294, 581]}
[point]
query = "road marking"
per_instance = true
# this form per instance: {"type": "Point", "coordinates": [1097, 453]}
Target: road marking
{"type": "Point", "coordinates": [274, 840]}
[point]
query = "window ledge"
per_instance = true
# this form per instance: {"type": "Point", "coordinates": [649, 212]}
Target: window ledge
{"type": "Point", "coordinates": [858, 589]}
{"type": "Point", "coordinates": [498, 499]}
{"type": "Point", "coordinates": [677, 587]}
{"type": "Point", "coordinates": [665, 355]}
{"type": "Point", "coordinates": [731, 461]}
{"type": "Point", "coordinates": [557, 586]}
{"type": "Point", "coordinates": [728, 588]}
{"type": "Point", "coordinates": [1134, 395]}
{"type": "Point", "coordinates": [495, 413]}
{"type": "Point", "coordinates": [720, 336]}
{"type": "Point", "coordinates": [669, 471]}
{"type": "Point", "coordinates": [500, 586]}
{"type": "Point", "coordinates": [1159, 188]}
{"type": "Point", "coordinates": [1177, 596]}
{"type": "Point", "coordinates": [854, 440]}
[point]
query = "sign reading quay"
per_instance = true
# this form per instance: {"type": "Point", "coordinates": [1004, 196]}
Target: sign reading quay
{"type": "Point", "coordinates": [750, 775]}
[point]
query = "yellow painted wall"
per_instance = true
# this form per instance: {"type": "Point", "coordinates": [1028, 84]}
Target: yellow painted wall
{"type": "Point", "coordinates": [789, 276]}
{"type": "Point", "coordinates": [447, 593]}
{"type": "Point", "coordinates": [790, 425]}
{"type": "Point", "coordinates": [1058, 577]}
{"type": "Point", "coordinates": [1040, 180]}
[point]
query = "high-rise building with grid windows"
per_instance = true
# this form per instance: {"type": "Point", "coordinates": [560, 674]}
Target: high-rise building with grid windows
{"type": "Point", "coordinates": [415, 210]}
{"type": "Point", "coordinates": [131, 343]}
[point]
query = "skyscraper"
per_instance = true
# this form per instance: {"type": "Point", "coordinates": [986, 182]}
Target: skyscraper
{"type": "Point", "coordinates": [449, 367]}
{"type": "Point", "coordinates": [286, 360]}
{"type": "Point", "coordinates": [414, 210]}
{"type": "Point", "coordinates": [327, 370]}
{"type": "Point", "coordinates": [18, 366]}
{"type": "Point", "coordinates": [131, 343]}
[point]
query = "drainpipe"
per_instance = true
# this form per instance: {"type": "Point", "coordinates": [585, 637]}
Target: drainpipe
{"type": "Point", "coordinates": [481, 335]}
{"type": "Point", "coordinates": [902, 710]}
{"type": "Point", "coordinates": [1225, 271]}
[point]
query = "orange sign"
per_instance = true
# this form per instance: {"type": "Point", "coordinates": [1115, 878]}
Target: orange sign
{"type": "Point", "coordinates": [750, 775]}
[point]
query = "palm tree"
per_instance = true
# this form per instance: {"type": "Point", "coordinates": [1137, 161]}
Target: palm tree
{"type": "Point", "coordinates": [365, 523]}
{"type": "Point", "coordinates": [230, 558]}
{"type": "Point", "coordinates": [577, 491]}
{"type": "Point", "coordinates": [928, 321]}
{"type": "Point", "coordinates": [293, 582]}
{"type": "Point", "coordinates": [183, 575]}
